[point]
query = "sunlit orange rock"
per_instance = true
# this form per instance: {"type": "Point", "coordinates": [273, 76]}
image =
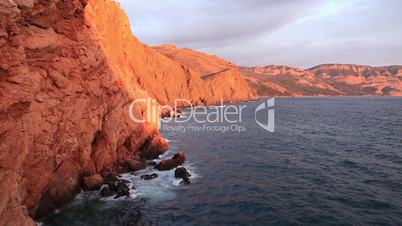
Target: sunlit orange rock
{"type": "Point", "coordinates": [327, 79]}
{"type": "Point", "coordinates": [64, 104]}
{"type": "Point", "coordinates": [220, 79]}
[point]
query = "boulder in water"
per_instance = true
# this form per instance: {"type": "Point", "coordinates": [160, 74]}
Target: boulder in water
{"type": "Point", "coordinates": [180, 158]}
{"type": "Point", "coordinates": [149, 176]}
{"type": "Point", "coordinates": [181, 172]}
{"type": "Point", "coordinates": [185, 180]}
{"type": "Point", "coordinates": [125, 181]}
{"type": "Point", "coordinates": [166, 165]}
{"type": "Point", "coordinates": [177, 160]}
{"type": "Point", "coordinates": [107, 192]}
{"type": "Point", "coordinates": [122, 190]}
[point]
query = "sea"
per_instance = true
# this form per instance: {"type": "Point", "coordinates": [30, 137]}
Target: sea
{"type": "Point", "coordinates": [325, 161]}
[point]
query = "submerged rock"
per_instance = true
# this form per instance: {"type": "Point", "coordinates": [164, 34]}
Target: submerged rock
{"type": "Point", "coordinates": [107, 192]}
{"type": "Point", "coordinates": [114, 186]}
{"type": "Point", "coordinates": [122, 190]}
{"type": "Point", "coordinates": [149, 176]}
{"type": "Point", "coordinates": [119, 189]}
{"type": "Point", "coordinates": [166, 165]}
{"type": "Point", "coordinates": [185, 181]}
{"type": "Point", "coordinates": [177, 160]}
{"type": "Point", "coordinates": [125, 181]}
{"type": "Point", "coordinates": [182, 173]}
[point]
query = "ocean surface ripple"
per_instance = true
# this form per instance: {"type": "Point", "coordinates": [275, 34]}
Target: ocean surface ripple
{"type": "Point", "coordinates": [331, 161]}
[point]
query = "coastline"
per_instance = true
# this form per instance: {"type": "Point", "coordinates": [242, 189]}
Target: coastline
{"type": "Point", "coordinates": [255, 172]}
{"type": "Point", "coordinates": [67, 78]}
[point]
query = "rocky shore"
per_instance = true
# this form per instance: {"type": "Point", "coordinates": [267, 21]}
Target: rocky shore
{"type": "Point", "coordinates": [66, 85]}
{"type": "Point", "coordinates": [109, 183]}
{"type": "Point", "coordinates": [69, 71]}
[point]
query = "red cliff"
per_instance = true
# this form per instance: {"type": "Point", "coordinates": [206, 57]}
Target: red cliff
{"type": "Point", "coordinates": [68, 73]}
{"type": "Point", "coordinates": [218, 77]}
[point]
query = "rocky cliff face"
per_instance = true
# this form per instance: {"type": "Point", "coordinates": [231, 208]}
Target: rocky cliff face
{"type": "Point", "coordinates": [328, 79]}
{"type": "Point", "coordinates": [218, 77]}
{"type": "Point", "coordinates": [68, 72]}
{"type": "Point", "coordinates": [139, 65]}
{"type": "Point", "coordinates": [65, 88]}
{"type": "Point", "coordinates": [201, 63]}
{"type": "Point", "coordinates": [63, 108]}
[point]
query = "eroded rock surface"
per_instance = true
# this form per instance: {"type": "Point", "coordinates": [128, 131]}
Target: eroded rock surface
{"type": "Point", "coordinates": [63, 105]}
{"type": "Point", "coordinates": [68, 72]}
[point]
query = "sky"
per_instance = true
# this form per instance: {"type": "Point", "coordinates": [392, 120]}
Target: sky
{"type": "Point", "coordinates": [301, 33]}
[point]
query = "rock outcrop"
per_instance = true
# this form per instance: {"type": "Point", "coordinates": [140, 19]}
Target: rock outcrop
{"type": "Point", "coordinates": [168, 164]}
{"type": "Point", "coordinates": [182, 173]}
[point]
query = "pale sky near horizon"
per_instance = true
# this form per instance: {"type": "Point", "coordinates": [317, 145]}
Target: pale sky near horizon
{"type": "Point", "coordinates": [283, 32]}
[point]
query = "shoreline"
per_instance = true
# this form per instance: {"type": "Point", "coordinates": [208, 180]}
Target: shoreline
{"type": "Point", "coordinates": [166, 182]}
{"type": "Point", "coordinates": [68, 72]}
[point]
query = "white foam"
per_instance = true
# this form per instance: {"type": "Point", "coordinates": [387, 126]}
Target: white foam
{"type": "Point", "coordinates": [164, 187]}
{"type": "Point", "coordinates": [174, 141]}
{"type": "Point", "coordinates": [184, 115]}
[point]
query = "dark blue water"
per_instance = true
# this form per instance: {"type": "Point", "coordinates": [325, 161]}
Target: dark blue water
{"type": "Point", "coordinates": [330, 161]}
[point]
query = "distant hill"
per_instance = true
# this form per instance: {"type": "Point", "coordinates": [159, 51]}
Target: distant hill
{"type": "Point", "coordinates": [279, 80]}
{"type": "Point", "coordinates": [326, 79]}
